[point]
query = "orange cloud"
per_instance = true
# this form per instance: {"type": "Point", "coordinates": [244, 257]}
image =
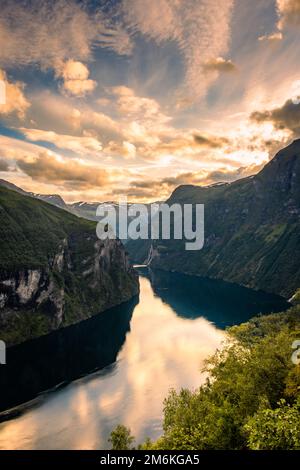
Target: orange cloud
{"type": "Point", "coordinates": [148, 189]}
{"type": "Point", "coordinates": [81, 145]}
{"type": "Point", "coordinates": [201, 29]}
{"type": "Point", "coordinates": [52, 31]}
{"type": "Point", "coordinates": [289, 13]}
{"type": "Point", "coordinates": [4, 166]}
{"type": "Point", "coordinates": [211, 141]}
{"type": "Point", "coordinates": [76, 78]}
{"type": "Point", "coordinates": [286, 116]}
{"type": "Point", "coordinates": [274, 37]}
{"type": "Point", "coordinates": [15, 100]}
{"type": "Point", "coordinates": [219, 65]}
{"type": "Point", "coordinates": [47, 168]}
{"type": "Point", "coordinates": [124, 149]}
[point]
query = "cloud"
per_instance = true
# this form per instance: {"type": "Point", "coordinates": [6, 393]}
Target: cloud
{"type": "Point", "coordinates": [103, 102]}
{"type": "Point", "coordinates": [52, 31]}
{"type": "Point", "coordinates": [142, 119]}
{"type": "Point", "coordinates": [201, 29]}
{"type": "Point", "coordinates": [47, 168]}
{"type": "Point", "coordinates": [89, 119]}
{"type": "Point", "coordinates": [79, 87]}
{"type": "Point", "coordinates": [176, 160]}
{"type": "Point", "coordinates": [74, 70]}
{"type": "Point", "coordinates": [4, 166]}
{"type": "Point", "coordinates": [211, 141]}
{"type": "Point", "coordinates": [183, 143]}
{"type": "Point", "coordinates": [274, 37]}
{"type": "Point", "coordinates": [15, 100]}
{"type": "Point", "coordinates": [121, 90]}
{"type": "Point", "coordinates": [219, 65]}
{"type": "Point", "coordinates": [75, 78]}
{"type": "Point", "coordinates": [284, 117]}
{"type": "Point", "coordinates": [125, 149]}
{"type": "Point", "coordinates": [81, 145]}
{"type": "Point", "coordinates": [160, 189]}
{"type": "Point", "coordinates": [57, 113]}
{"type": "Point", "coordinates": [223, 175]}
{"type": "Point", "coordinates": [170, 182]}
{"type": "Point", "coordinates": [136, 106]}
{"type": "Point", "coordinates": [289, 13]}
{"type": "Point", "coordinates": [140, 129]}
{"type": "Point", "coordinates": [42, 170]}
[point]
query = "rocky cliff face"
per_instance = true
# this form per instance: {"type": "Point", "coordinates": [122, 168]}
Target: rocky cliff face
{"type": "Point", "coordinates": [60, 281]}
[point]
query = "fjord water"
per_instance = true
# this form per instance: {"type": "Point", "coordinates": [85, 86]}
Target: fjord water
{"type": "Point", "coordinates": [117, 367]}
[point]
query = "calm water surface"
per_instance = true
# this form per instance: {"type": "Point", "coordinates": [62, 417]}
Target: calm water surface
{"type": "Point", "coordinates": [118, 367]}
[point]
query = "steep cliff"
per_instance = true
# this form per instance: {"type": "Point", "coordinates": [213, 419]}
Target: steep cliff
{"type": "Point", "coordinates": [252, 229]}
{"type": "Point", "coordinates": [54, 271]}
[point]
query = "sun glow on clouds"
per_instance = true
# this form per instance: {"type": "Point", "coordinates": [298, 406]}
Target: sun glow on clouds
{"type": "Point", "coordinates": [75, 83]}
{"type": "Point", "coordinates": [76, 78]}
{"type": "Point", "coordinates": [15, 100]}
{"type": "Point", "coordinates": [201, 29]}
{"type": "Point", "coordinates": [81, 145]}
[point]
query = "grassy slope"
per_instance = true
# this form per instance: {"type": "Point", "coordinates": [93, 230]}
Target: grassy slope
{"type": "Point", "coordinates": [31, 234]}
{"type": "Point", "coordinates": [32, 230]}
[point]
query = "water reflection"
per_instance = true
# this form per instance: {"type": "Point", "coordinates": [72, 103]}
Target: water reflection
{"type": "Point", "coordinates": [223, 303]}
{"type": "Point", "coordinates": [64, 355]}
{"type": "Point", "coordinates": [162, 350]}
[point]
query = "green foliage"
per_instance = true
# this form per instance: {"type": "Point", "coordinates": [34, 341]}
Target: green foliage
{"type": "Point", "coordinates": [121, 438]}
{"type": "Point", "coordinates": [275, 429]}
{"type": "Point", "coordinates": [251, 398]}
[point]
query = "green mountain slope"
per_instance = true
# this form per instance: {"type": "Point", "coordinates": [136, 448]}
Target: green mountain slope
{"type": "Point", "coordinates": [252, 229]}
{"type": "Point", "coordinates": [53, 269]}
{"type": "Point", "coordinates": [53, 199]}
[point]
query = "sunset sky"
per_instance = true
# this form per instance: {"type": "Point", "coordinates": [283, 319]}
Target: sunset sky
{"type": "Point", "coordinates": [134, 97]}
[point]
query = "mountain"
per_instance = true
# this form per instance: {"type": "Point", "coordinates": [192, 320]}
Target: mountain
{"type": "Point", "coordinates": [87, 210]}
{"type": "Point", "coordinates": [53, 199]}
{"type": "Point", "coordinates": [13, 187]}
{"type": "Point", "coordinates": [252, 230]}
{"type": "Point", "coordinates": [54, 271]}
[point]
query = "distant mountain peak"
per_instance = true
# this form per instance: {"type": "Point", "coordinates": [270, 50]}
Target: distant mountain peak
{"type": "Point", "coordinates": [53, 199]}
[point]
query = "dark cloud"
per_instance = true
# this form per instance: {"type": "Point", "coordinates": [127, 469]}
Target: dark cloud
{"type": "Point", "coordinates": [284, 117]}
{"type": "Point", "coordinates": [219, 65]}
{"type": "Point", "coordinates": [211, 141]}
{"type": "Point", "coordinates": [227, 176]}
{"type": "Point", "coordinates": [158, 189]}
{"type": "Point", "coordinates": [4, 165]}
{"type": "Point", "coordinates": [47, 169]}
{"type": "Point", "coordinates": [183, 178]}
